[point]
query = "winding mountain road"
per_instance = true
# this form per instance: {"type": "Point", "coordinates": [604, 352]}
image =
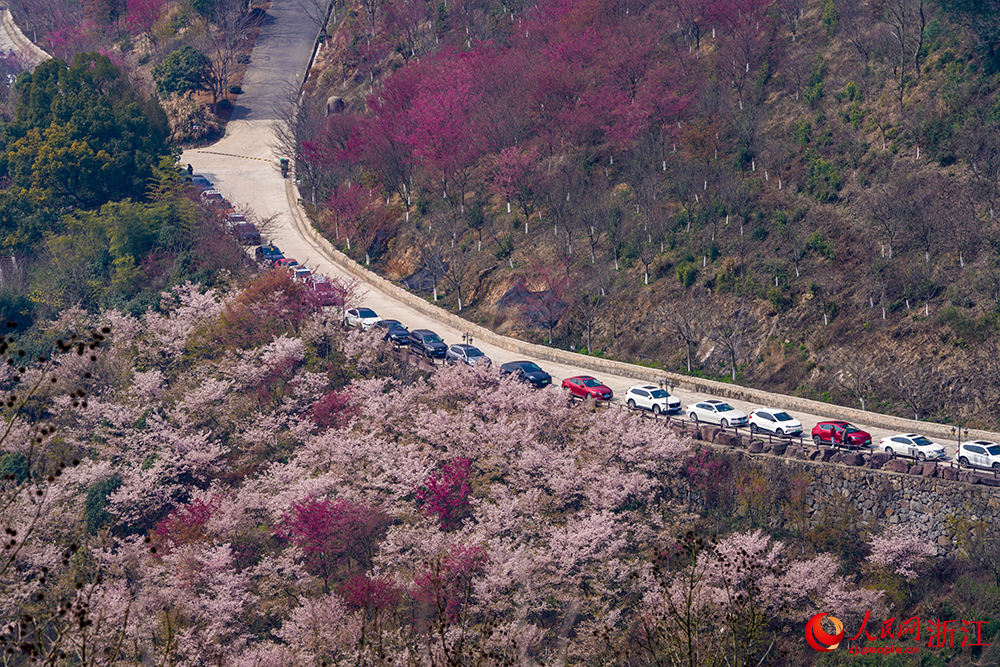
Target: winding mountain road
{"type": "Point", "coordinates": [243, 166]}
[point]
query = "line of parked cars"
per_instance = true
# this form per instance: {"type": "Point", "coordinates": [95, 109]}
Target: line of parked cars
{"type": "Point", "coordinates": [235, 223]}
{"type": "Point", "coordinates": [420, 341]}
{"type": "Point", "coordinates": [980, 453]}
{"type": "Point", "coordinates": [319, 287]}
{"type": "Point", "coordinates": [658, 400]}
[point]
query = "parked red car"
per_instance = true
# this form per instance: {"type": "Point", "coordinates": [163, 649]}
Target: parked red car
{"type": "Point", "coordinates": [584, 386]}
{"type": "Point", "coordinates": [322, 291]}
{"type": "Point", "coordinates": [842, 434]}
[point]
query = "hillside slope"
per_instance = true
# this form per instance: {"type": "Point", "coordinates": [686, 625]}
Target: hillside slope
{"type": "Point", "coordinates": [792, 191]}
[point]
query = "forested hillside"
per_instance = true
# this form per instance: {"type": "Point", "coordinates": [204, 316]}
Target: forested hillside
{"type": "Point", "coordinates": [752, 189]}
{"type": "Point", "coordinates": [93, 210]}
{"type": "Point", "coordinates": [210, 484]}
{"type": "Point", "coordinates": [201, 467]}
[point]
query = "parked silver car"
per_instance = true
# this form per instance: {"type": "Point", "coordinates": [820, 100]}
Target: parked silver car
{"type": "Point", "coordinates": [470, 355]}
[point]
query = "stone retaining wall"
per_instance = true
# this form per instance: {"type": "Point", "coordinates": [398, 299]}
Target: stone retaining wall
{"type": "Point", "coordinates": [877, 488]}
{"type": "Point", "coordinates": [620, 368]}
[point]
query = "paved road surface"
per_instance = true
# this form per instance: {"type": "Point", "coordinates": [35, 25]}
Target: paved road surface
{"type": "Point", "coordinates": [243, 166]}
{"type": "Point", "coordinates": [12, 39]}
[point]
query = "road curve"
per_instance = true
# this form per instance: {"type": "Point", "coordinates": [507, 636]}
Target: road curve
{"type": "Point", "coordinates": [243, 166]}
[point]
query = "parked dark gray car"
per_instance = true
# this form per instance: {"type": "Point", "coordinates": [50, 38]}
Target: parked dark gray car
{"type": "Point", "coordinates": [427, 343]}
{"type": "Point", "coordinates": [527, 371]}
{"type": "Point", "coordinates": [394, 331]}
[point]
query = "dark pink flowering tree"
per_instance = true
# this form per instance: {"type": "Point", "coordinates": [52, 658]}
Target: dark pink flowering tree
{"type": "Point", "coordinates": [445, 493]}
{"type": "Point", "coordinates": [185, 525]}
{"type": "Point", "coordinates": [142, 14]}
{"type": "Point", "coordinates": [333, 410]}
{"type": "Point", "coordinates": [333, 534]}
{"type": "Point", "coordinates": [445, 586]}
{"type": "Point", "coordinates": [371, 594]}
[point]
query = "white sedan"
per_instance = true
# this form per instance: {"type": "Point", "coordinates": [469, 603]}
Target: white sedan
{"type": "Point", "coordinates": [982, 453]}
{"type": "Point", "coordinates": [912, 444]}
{"type": "Point", "coordinates": [652, 398]}
{"type": "Point", "coordinates": [774, 421]}
{"type": "Point", "coordinates": [716, 412]}
{"type": "Point", "coordinates": [361, 317]}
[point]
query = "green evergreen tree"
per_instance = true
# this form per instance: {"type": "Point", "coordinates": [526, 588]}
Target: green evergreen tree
{"type": "Point", "coordinates": [81, 136]}
{"type": "Point", "coordinates": [183, 71]}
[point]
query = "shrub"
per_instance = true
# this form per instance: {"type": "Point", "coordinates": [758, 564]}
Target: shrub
{"type": "Point", "coordinates": [823, 180]}
{"type": "Point", "coordinates": [803, 131]}
{"type": "Point", "coordinates": [14, 466]}
{"type": "Point", "coordinates": [95, 509]}
{"type": "Point", "coordinates": [820, 246]}
{"type": "Point", "coordinates": [687, 273]}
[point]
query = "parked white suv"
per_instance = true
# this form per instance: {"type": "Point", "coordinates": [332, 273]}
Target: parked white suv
{"type": "Point", "coordinates": [653, 398]}
{"type": "Point", "coordinates": [772, 420]}
{"type": "Point", "coordinates": [982, 453]}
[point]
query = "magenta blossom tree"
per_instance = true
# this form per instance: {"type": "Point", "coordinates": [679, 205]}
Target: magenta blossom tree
{"type": "Point", "coordinates": [333, 534]}
{"type": "Point", "coordinates": [445, 493]}
{"type": "Point", "coordinates": [446, 584]}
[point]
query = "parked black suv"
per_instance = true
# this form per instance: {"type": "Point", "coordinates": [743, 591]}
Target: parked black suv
{"type": "Point", "coordinates": [527, 371]}
{"type": "Point", "coordinates": [427, 343]}
{"type": "Point", "coordinates": [394, 331]}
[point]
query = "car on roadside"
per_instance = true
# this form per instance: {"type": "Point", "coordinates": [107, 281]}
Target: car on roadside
{"type": "Point", "coordinates": [246, 233]}
{"type": "Point", "coordinates": [528, 372]}
{"type": "Point", "coordinates": [321, 291]}
{"type": "Point", "coordinates": [714, 411]}
{"type": "Point", "coordinates": [650, 397]}
{"type": "Point", "coordinates": [286, 262]}
{"type": "Point", "coordinates": [912, 444]}
{"type": "Point", "coordinates": [772, 420]}
{"type": "Point", "coordinates": [463, 353]}
{"type": "Point", "coordinates": [233, 218]}
{"type": "Point", "coordinates": [198, 181]}
{"type": "Point", "coordinates": [585, 386]}
{"type": "Point", "coordinates": [981, 453]}
{"type": "Point", "coordinates": [301, 274]}
{"type": "Point", "coordinates": [362, 318]}
{"type": "Point", "coordinates": [394, 331]}
{"type": "Point", "coordinates": [267, 254]}
{"type": "Point", "coordinates": [214, 198]}
{"type": "Point", "coordinates": [426, 343]}
{"type": "Point", "coordinates": [840, 434]}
